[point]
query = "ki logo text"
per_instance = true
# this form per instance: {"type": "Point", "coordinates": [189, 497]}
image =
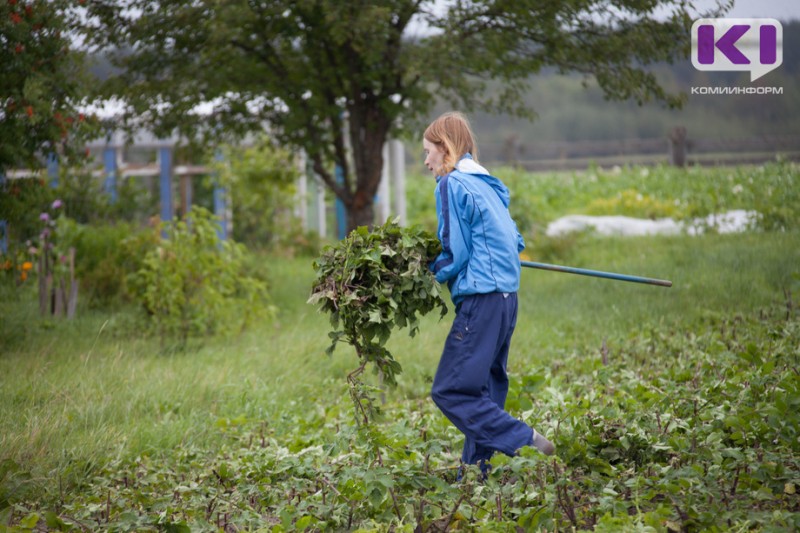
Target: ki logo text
{"type": "Point", "coordinates": [754, 45]}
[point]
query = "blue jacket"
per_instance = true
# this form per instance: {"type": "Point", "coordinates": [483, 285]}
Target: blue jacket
{"type": "Point", "coordinates": [480, 241]}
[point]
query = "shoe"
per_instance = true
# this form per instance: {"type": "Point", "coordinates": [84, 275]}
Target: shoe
{"type": "Point", "coordinates": [484, 465]}
{"type": "Point", "coordinates": [542, 444]}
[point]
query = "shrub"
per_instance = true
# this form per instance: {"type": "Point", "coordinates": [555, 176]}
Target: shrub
{"type": "Point", "coordinates": [21, 203]}
{"type": "Point", "coordinates": [261, 180]}
{"type": "Point", "coordinates": [192, 283]}
{"type": "Point", "coordinates": [105, 257]}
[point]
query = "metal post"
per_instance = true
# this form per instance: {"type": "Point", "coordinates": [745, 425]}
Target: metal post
{"type": "Point", "coordinates": [110, 165]}
{"type": "Point", "coordinates": [52, 169]}
{"type": "Point", "coordinates": [165, 165]}
{"type": "Point", "coordinates": [3, 236]}
{"type": "Point", "coordinates": [3, 223]}
{"type": "Point", "coordinates": [301, 201]}
{"type": "Point", "coordinates": [320, 211]}
{"type": "Point", "coordinates": [186, 194]}
{"type": "Point", "coordinates": [397, 173]}
{"type": "Point", "coordinates": [220, 202]}
{"type": "Point", "coordinates": [341, 212]}
{"type": "Point", "coordinates": [382, 200]}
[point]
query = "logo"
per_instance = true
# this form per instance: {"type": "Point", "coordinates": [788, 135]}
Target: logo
{"type": "Point", "coordinates": [755, 45]}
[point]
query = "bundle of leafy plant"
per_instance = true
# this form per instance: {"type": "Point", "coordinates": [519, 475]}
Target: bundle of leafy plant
{"type": "Point", "coordinates": [370, 283]}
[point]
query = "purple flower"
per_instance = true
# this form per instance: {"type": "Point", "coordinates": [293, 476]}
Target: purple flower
{"type": "Point", "coordinates": [57, 204]}
{"type": "Point", "coordinates": [45, 233]}
{"type": "Point", "coordinates": [44, 217]}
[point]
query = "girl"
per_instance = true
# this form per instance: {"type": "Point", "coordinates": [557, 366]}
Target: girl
{"type": "Point", "coordinates": [480, 263]}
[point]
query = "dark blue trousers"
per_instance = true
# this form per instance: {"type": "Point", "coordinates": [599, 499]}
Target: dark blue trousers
{"type": "Point", "coordinates": [471, 383]}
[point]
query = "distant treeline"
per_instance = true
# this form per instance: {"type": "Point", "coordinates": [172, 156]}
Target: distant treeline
{"type": "Point", "coordinates": [569, 112]}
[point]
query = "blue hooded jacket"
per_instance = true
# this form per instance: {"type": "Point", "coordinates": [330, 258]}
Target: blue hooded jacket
{"type": "Point", "coordinates": [480, 241]}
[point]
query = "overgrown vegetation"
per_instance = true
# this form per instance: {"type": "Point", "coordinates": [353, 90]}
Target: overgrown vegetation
{"type": "Point", "coordinates": [192, 283]}
{"type": "Point", "coordinates": [261, 179]}
{"type": "Point", "coordinates": [663, 427]}
{"type": "Point", "coordinates": [772, 190]}
{"type": "Point", "coordinates": [672, 409]}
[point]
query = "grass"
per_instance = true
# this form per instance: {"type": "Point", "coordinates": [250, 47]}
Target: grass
{"type": "Point", "coordinates": [78, 393]}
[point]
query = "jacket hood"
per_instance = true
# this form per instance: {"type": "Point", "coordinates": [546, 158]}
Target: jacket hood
{"type": "Point", "coordinates": [467, 165]}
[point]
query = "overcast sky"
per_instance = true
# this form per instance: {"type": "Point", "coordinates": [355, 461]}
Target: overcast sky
{"type": "Point", "coordinates": [783, 10]}
{"type": "Point", "coordinates": [778, 9]}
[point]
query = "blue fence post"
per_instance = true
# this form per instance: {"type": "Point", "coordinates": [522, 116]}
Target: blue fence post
{"type": "Point", "coordinates": [3, 223]}
{"type": "Point", "coordinates": [110, 165]}
{"type": "Point", "coordinates": [52, 169]}
{"type": "Point", "coordinates": [220, 202]}
{"type": "Point", "coordinates": [341, 212]}
{"type": "Point", "coordinates": [3, 236]}
{"type": "Point", "coordinates": [165, 165]}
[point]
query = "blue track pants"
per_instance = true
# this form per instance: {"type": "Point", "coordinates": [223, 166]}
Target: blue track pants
{"type": "Point", "coordinates": [471, 383]}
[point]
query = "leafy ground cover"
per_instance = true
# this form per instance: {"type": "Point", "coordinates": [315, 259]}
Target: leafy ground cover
{"type": "Point", "coordinates": [672, 409]}
{"type": "Point", "coordinates": [639, 191]}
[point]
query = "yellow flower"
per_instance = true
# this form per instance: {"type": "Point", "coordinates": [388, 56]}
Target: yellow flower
{"type": "Point", "coordinates": [27, 265]}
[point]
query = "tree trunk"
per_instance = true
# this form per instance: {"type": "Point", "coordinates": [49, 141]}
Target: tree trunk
{"type": "Point", "coordinates": [363, 215]}
{"type": "Point", "coordinates": [368, 132]}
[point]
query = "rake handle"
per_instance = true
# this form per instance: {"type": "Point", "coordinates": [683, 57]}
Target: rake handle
{"type": "Point", "coordinates": [597, 273]}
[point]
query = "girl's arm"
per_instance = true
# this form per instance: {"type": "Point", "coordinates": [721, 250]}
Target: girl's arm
{"type": "Point", "coordinates": [453, 232]}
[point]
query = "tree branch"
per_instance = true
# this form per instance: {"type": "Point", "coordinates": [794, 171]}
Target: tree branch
{"type": "Point", "coordinates": [343, 194]}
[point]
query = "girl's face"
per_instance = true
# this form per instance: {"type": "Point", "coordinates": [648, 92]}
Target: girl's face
{"type": "Point", "coordinates": [434, 156]}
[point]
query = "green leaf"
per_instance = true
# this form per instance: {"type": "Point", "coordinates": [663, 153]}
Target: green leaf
{"type": "Point", "coordinates": [54, 522]}
{"type": "Point", "coordinates": [30, 521]}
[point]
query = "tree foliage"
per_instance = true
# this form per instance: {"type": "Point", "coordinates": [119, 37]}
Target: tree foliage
{"type": "Point", "coordinates": [324, 74]}
{"type": "Point", "coordinates": [41, 84]}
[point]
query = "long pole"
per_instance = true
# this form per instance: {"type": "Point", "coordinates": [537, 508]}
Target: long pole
{"type": "Point", "coordinates": [597, 273]}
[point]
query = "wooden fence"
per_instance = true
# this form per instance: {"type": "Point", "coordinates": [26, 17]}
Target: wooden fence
{"type": "Point", "coordinates": [678, 148]}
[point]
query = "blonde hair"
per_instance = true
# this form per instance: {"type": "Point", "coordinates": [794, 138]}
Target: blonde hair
{"type": "Point", "coordinates": [453, 134]}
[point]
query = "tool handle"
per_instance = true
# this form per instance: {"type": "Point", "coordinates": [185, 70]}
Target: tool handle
{"type": "Point", "coordinates": [596, 273]}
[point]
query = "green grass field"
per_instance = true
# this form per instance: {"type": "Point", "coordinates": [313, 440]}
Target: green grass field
{"type": "Point", "coordinates": [101, 428]}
